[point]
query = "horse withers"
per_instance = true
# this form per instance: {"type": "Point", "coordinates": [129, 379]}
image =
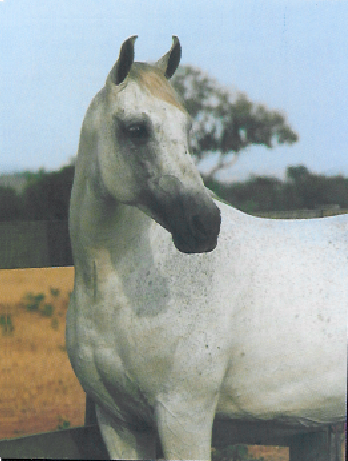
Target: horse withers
{"type": "Point", "coordinates": [185, 308]}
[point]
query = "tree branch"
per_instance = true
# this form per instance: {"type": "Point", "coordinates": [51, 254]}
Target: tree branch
{"type": "Point", "coordinates": [221, 164]}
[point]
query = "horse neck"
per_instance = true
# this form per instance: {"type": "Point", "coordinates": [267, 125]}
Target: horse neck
{"type": "Point", "coordinates": [101, 223]}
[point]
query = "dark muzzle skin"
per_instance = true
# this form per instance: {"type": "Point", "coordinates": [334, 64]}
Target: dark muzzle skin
{"type": "Point", "coordinates": [191, 217]}
{"type": "Point", "coordinates": [196, 230]}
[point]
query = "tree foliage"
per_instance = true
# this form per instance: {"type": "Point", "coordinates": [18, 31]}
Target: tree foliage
{"type": "Point", "coordinates": [302, 189]}
{"type": "Point", "coordinates": [226, 125]}
{"type": "Point", "coordinates": [47, 194]}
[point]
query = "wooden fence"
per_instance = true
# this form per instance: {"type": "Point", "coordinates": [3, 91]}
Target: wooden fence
{"type": "Point", "coordinates": [301, 214]}
{"type": "Point", "coordinates": [85, 442]}
{"type": "Point", "coordinates": [34, 244]}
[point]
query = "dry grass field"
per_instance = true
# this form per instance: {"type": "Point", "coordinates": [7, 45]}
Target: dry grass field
{"type": "Point", "coordinates": [39, 391]}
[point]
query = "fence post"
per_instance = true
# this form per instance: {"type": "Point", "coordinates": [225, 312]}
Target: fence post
{"type": "Point", "coordinates": [309, 447]}
{"type": "Point", "coordinates": [90, 415]}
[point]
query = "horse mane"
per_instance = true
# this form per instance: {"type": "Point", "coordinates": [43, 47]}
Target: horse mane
{"type": "Point", "coordinates": [151, 78]}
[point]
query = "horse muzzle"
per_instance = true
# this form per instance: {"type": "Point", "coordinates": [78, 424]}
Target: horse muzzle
{"type": "Point", "coordinates": [191, 216]}
{"type": "Point", "coordinates": [199, 231]}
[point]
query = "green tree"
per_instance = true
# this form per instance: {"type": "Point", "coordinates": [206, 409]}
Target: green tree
{"type": "Point", "coordinates": [297, 173]}
{"type": "Point", "coordinates": [224, 124]}
{"type": "Point", "coordinates": [302, 189]}
{"type": "Point", "coordinates": [335, 190]}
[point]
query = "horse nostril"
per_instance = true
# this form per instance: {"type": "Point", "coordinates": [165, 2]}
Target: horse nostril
{"type": "Point", "coordinates": [205, 225]}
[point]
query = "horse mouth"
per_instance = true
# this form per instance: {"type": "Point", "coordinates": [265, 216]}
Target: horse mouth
{"type": "Point", "coordinates": [191, 217]}
{"type": "Point", "coordinates": [195, 246]}
{"type": "Point", "coordinates": [198, 234]}
{"type": "Point", "coordinates": [193, 233]}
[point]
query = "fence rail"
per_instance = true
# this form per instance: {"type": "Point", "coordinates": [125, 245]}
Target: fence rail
{"type": "Point", "coordinates": [301, 214]}
{"type": "Point", "coordinates": [77, 443]}
{"type": "Point", "coordinates": [86, 442]}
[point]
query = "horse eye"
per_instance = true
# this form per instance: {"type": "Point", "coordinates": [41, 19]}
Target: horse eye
{"type": "Point", "coordinates": [138, 131]}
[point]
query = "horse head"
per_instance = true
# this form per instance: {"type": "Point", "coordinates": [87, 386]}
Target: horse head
{"type": "Point", "coordinates": [139, 131]}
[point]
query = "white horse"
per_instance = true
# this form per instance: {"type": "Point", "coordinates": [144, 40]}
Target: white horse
{"type": "Point", "coordinates": [174, 320]}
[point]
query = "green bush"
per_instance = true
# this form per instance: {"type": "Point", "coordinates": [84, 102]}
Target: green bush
{"type": "Point", "coordinates": [33, 301]}
{"type": "Point", "coordinates": [63, 423]}
{"type": "Point", "coordinates": [47, 310]}
{"type": "Point", "coordinates": [55, 292]}
{"type": "Point", "coordinates": [6, 325]}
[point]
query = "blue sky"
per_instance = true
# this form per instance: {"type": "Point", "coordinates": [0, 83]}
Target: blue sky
{"type": "Point", "coordinates": [288, 54]}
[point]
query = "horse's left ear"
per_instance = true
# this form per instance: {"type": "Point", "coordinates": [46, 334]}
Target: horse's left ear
{"type": "Point", "coordinates": [170, 61]}
{"type": "Point", "coordinates": [125, 60]}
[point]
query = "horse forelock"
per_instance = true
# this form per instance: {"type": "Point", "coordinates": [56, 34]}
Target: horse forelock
{"type": "Point", "coordinates": [151, 78]}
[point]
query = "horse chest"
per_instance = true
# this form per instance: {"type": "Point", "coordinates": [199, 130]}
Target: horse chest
{"type": "Point", "coordinates": [146, 330]}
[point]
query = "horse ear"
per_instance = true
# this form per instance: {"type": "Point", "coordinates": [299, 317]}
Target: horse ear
{"type": "Point", "coordinates": [125, 60]}
{"type": "Point", "coordinates": [170, 61]}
